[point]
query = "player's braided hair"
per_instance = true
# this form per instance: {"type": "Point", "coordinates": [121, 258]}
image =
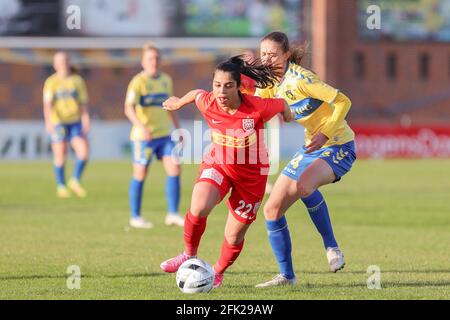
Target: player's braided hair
{"type": "Point", "coordinates": [298, 51]}
{"type": "Point", "coordinates": [265, 76]}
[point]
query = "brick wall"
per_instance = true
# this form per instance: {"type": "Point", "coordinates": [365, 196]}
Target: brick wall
{"type": "Point", "coordinates": [21, 88]}
{"type": "Point", "coordinates": [374, 94]}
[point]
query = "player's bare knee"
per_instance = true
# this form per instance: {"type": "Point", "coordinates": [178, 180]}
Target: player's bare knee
{"type": "Point", "coordinates": [139, 173]}
{"type": "Point", "coordinates": [59, 160]}
{"type": "Point", "coordinates": [83, 156]}
{"type": "Point", "coordinates": [174, 171]}
{"type": "Point", "coordinates": [177, 170]}
{"type": "Point", "coordinates": [271, 211]}
{"type": "Point", "coordinates": [304, 190]}
{"type": "Point", "coordinates": [200, 210]}
{"type": "Point", "coordinates": [59, 163]}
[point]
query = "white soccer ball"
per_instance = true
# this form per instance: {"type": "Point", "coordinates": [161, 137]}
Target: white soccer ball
{"type": "Point", "coordinates": [195, 276]}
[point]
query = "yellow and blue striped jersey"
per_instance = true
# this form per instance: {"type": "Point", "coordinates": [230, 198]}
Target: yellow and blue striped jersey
{"type": "Point", "coordinates": [147, 94]}
{"type": "Point", "coordinates": [66, 96]}
{"type": "Point", "coordinates": [312, 101]}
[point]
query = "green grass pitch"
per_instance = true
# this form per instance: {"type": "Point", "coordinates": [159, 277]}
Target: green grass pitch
{"type": "Point", "coordinates": [392, 214]}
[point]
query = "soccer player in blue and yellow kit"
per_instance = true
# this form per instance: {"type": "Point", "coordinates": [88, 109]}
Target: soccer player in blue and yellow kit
{"type": "Point", "coordinates": [329, 153]}
{"type": "Point", "coordinates": [67, 120]}
{"type": "Point", "coordinates": [150, 136]}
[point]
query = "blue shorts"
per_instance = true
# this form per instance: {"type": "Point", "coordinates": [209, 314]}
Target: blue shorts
{"type": "Point", "coordinates": [339, 157]}
{"type": "Point", "coordinates": [66, 132]}
{"type": "Point", "coordinates": [143, 151]}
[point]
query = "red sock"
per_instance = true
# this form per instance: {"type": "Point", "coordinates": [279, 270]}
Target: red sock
{"type": "Point", "coordinates": [228, 256]}
{"type": "Point", "coordinates": [193, 231]}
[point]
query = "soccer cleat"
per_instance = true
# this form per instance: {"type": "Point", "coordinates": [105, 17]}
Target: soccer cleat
{"type": "Point", "coordinates": [140, 223]}
{"type": "Point", "coordinates": [63, 192]}
{"type": "Point", "coordinates": [76, 187]}
{"type": "Point", "coordinates": [277, 281]}
{"type": "Point", "coordinates": [335, 259]}
{"type": "Point", "coordinates": [218, 279]}
{"type": "Point", "coordinates": [174, 220]}
{"type": "Point", "coordinates": [172, 265]}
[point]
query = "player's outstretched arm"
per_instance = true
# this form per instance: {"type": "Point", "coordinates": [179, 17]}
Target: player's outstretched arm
{"type": "Point", "coordinates": [175, 103]}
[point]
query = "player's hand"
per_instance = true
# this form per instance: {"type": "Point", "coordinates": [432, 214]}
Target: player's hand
{"type": "Point", "coordinates": [287, 114]}
{"type": "Point", "coordinates": [172, 104]}
{"type": "Point", "coordinates": [317, 142]}
{"type": "Point", "coordinates": [146, 135]}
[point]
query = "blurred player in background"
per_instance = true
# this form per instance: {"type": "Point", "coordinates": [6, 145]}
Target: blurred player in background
{"type": "Point", "coordinates": [237, 160]}
{"type": "Point", "coordinates": [67, 120]}
{"type": "Point", "coordinates": [150, 136]}
{"type": "Point", "coordinates": [329, 153]}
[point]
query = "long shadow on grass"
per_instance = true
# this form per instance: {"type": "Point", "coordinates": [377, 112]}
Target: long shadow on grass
{"type": "Point", "coordinates": [274, 272]}
{"type": "Point", "coordinates": [302, 287]}
{"type": "Point", "coordinates": [384, 285]}
{"type": "Point", "coordinates": [382, 271]}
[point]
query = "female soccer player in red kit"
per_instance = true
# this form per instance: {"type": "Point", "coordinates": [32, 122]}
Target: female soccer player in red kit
{"type": "Point", "coordinates": [237, 160]}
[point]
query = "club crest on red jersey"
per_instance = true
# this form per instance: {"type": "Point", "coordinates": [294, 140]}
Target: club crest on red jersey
{"type": "Point", "coordinates": [248, 124]}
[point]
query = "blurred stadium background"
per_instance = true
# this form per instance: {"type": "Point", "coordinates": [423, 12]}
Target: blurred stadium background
{"type": "Point", "coordinates": [397, 77]}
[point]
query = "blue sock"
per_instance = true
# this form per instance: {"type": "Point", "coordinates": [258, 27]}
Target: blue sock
{"type": "Point", "coordinates": [79, 168]}
{"type": "Point", "coordinates": [318, 212]}
{"type": "Point", "coordinates": [135, 197]}
{"type": "Point", "coordinates": [173, 194]}
{"type": "Point", "coordinates": [59, 174]}
{"type": "Point", "coordinates": [280, 240]}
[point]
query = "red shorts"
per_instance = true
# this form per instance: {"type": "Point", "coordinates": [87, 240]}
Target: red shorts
{"type": "Point", "coordinates": [246, 194]}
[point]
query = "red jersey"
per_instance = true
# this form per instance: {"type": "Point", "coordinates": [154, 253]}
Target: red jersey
{"type": "Point", "coordinates": [248, 85]}
{"type": "Point", "coordinates": [238, 139]}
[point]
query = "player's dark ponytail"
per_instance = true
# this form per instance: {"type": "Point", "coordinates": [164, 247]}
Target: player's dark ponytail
{"type": "Point", "coordinates": [265, 76]}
